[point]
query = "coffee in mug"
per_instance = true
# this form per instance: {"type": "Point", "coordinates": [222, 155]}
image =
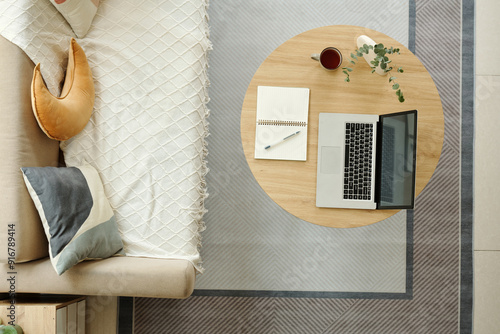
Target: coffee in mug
{"type": "Point", "coordinates": [330, 58]}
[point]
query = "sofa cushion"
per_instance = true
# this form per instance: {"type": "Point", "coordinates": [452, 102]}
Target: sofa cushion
{"type": "Point", "coordinates": [77, 218]}
{"type": "Point", "coordinates": [114, 276]}
{"type": "Point", "coordinates": [23, 144]}
{"type": "Point", "coordinates": [62, 118]}
{"type": "Point", "coordinates": [78, 13]}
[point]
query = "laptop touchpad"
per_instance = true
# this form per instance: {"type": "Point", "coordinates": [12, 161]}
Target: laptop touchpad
{"type": "Point", "coordinates": [330, 160]}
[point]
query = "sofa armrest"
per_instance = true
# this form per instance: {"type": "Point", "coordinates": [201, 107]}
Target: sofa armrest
{"type": "Point", "coordinates": [115, 276]}
{"type": "Point", "coordinates": [22, 144]}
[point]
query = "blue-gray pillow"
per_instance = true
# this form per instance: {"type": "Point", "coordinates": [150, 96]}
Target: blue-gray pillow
{"type": "Point", "coordinates": [76, 216]}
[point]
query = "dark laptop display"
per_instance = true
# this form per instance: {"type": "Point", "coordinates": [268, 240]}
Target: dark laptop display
{"type": "Point", "coordinates": [396, 160]}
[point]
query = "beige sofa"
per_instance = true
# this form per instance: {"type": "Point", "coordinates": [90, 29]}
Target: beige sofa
{"type": "Point", "coordinates": [23, 144]}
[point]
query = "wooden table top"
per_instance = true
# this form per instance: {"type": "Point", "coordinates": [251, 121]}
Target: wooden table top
{"type": "Point", "coordinates": [292, 184]}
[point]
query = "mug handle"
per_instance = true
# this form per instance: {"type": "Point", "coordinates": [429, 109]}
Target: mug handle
{"type": "Point", "coordinates": [315, 56]}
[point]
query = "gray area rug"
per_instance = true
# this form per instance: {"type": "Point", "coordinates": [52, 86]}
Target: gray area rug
{"type": "Point", "coordinates": [433, 242]}
{"type": "Point", "coordinates": [251, 244]}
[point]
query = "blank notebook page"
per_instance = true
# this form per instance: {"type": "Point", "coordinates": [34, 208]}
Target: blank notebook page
{"type": "Point", "coordinates": [281, 111]}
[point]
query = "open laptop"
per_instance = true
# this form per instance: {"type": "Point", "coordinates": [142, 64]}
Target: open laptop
{"type": "Point", "coordinates": [367, 161]}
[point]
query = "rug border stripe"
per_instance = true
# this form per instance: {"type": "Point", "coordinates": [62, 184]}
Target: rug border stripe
{"type": "Point", "coordinates": [412, 23]}
{"type": "Point", "coordinates": [467, 166]}
{"type": "Point", "coordinates": [126, 316]}
{"type": "Point", "coordinates": [301, 294]}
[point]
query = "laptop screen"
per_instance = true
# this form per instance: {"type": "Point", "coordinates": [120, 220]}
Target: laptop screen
{"type": "Point", "coordinates": [396, 154]}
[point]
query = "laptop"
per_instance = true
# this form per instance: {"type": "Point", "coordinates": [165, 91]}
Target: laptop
{"type": "Point", "coordinates": [367, 161]}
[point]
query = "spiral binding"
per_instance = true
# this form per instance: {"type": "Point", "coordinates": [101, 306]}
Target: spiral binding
{"type": "Point", "coordinates": [280, 123]}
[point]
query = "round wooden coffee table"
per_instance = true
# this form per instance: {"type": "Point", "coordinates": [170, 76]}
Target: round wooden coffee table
{"type": "Point", "coordinates": [292, 184]}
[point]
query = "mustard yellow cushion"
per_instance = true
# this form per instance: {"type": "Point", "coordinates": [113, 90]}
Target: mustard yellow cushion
{"type": "Point", "coordinates": [63, 117]}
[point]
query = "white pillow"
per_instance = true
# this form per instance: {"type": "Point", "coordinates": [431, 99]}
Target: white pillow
{"type": "Point", "coordinates": [78, 13]}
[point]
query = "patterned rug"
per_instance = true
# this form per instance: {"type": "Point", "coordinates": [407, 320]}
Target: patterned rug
{"type": "Point", "coordinates": [435, 258]}
{"type": "Point", "coordinates": [250, 240]}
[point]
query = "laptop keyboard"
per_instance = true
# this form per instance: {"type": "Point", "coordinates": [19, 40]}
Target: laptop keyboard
{"type": "Point", "coordinates": [358, 161]}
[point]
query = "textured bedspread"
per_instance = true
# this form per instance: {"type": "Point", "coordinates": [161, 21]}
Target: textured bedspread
{"type": "Point", "coordinates": [147, 133]}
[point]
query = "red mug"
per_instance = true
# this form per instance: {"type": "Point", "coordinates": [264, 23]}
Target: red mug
{"type": "Point", "coordinates": [330, 58]}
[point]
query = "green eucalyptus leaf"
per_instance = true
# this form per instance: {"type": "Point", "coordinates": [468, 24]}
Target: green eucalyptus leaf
{"type": "Point", "coordinates": [400, 70]}
{"type": "Point", "coordinates": [395, 86]}
{"type": "Point", "coordinates": [398, 92]}
{"type": "Point", "coordinates": [383, 66]}
{"type": "Point", "coordinates": [392, 78]}
{"type": "Point", "coordinates": [373, 71]}
{"type": "Point", "coordinates": [352, 62]}
{"type": "Point", "coordinates": [401, 98]}
{"type": "Point", "coordinates": [7, 329]}
{"type": "Point", "coordinates": [353, 56]}
{"type": "Point", "coordinates": [347, 79]}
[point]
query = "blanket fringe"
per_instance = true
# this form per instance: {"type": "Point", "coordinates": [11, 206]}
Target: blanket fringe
{"type": "Point", "coordinates": [202, 189]}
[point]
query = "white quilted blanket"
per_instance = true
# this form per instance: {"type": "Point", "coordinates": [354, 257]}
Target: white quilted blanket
{"type": "Point", "coordinates": [147, 133]}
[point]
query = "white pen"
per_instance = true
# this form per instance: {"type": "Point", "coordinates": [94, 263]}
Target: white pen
{"type": "Point", "coordinates": [282, 140]}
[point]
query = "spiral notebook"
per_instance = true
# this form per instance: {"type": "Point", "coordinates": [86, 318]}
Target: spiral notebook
{"type": "Point", "coordinates": [282, 114]}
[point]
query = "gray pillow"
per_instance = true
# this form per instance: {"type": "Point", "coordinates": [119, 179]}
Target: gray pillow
{"type": "Point", "coordinates": [76, 216]}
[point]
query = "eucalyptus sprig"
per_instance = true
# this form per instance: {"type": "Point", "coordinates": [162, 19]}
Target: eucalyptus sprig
{"type": "Point", "coordinates": [381, 60]}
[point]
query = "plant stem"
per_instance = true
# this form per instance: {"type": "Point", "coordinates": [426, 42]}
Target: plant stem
{"type": "Point", "coordinates": [380, 60]}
